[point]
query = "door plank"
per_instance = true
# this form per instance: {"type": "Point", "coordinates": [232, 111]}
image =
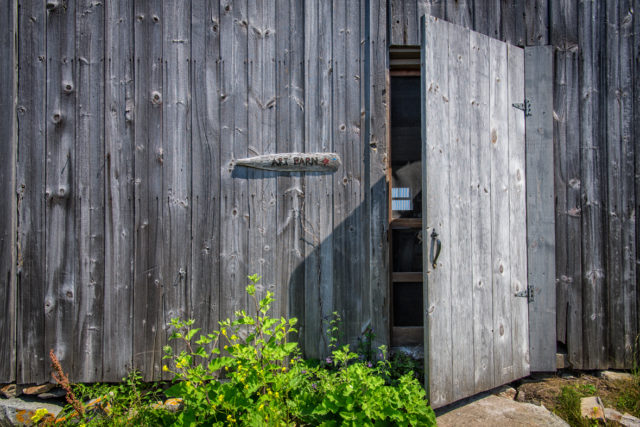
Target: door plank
{"type": "Point", "coordinates": [479, 89]}
{"type": "Point", "coordinates": [517, 213]}
{"type": "Point", "coordinates": [503, 356]}
{"type": "Point", "coordinates": [437, 291]}
{"type": "Point", "coordinates": [459, 201]}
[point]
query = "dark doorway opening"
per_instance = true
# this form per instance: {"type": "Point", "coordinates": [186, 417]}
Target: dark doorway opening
{"type": "Point", "coordinates": [406, 208]}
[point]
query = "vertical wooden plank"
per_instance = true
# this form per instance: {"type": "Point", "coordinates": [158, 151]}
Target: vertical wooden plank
{"type": "Point", "coordinates": [89, 181]}
{"type": "Point", "coordinates": [348, 209]}
{"type": "Point", "coordinates": [459, 12]}
{"type": "Point", "coordinates": [563, 35]}
{"type": "Point", "coordinates": [487, 17]}
{"type": "Point", "coordinates": [636, 135]}
{"type": "Point", "coordinates": [411, 19]}
{"type": "Point", "coordinates": [290, 138]}
{"type": "Point", "coordinates": [628, 147]}
{"type": "Point", "coordinates": [341, 144]}
{"type": "Point", "coordinates": [318, 196]}
{"type": "Point", "coordinates": [540, 208]}
{"type": "Point", "coordinates": [432, 7]}
{"type": "Point", "coordinates": [518, 209]}
{"type": "Point", "coordinates": [480, 133]}
{"type": "Point", "coordinates": [573, 213]}
{"type": "Point", "coordinates": [30, 178]}
{"type": "Point", "coordinates": [459, 148]}
{"type": "Point", "coordinates": [234, 203]}
{"type": "Point", "coordinates": [613, 166]}
{"type": "Point", "coordinates": [512, 22]}
{"type": "Point", "coordinates": [8, 144]}
{"type": "Point", "coordinates": [436, 211]}
{"type": "Point", "coordinates": [176, 175]}
{"type": "Point", "coordinates": [149, 282]}
{"type": "Point", "coordinates": [591, 156]}
{"type": "Point", "coordinates": [536, 22]}
{"type": "Point", "coordinates": [60, 193]}
{"type": "Point", "coordinates": [404, 18]}
{"type": "Point", "coordinates": [500, 255]}
{"type": "Point", "coordinates": [396, 22]}
{"type": "Point", "coordinates": [378, 104]}
{"type": "Point", "coordinates": [620, 194]}
{"type": "Point", "coordinates": [205, 118]}
{"type": "Point", "coordinates": [119, 203]}
{"type": "Point", "coordinates": [261, 135]}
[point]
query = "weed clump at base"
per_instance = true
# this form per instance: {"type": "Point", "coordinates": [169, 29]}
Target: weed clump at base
{"type": "Point", "coordinates": [249, 372]}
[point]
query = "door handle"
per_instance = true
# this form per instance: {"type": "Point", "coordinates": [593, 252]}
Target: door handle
{"type": "Point", "coordinates": [438, 245]}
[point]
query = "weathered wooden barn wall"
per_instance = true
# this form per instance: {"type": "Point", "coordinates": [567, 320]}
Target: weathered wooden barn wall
{"type": "Point", "coordinates": [118, 190]}
{"type": "Point", "coordinates": [596, 126]}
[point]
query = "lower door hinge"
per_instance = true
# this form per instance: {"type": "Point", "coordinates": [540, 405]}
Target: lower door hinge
{"type": "Point", "coordinates": [527, 293]}
{"type": "Point", "coordinates": [525, 106]}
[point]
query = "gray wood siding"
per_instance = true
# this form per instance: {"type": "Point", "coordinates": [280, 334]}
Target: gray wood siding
{"type": "Point", "coordinates": [127, 212]}
{"type": "Point", "coordinates": [595, 109]}
{"type": "Point", "coordinates": [8, 148]}
{"type": "Point", "coordinates": [540, 207]}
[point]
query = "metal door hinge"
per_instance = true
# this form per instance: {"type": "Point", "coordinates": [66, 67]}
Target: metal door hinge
{"type": "Point", "coordinates": [526, 107]}
{"type": "Point", "coordinates": [527, 293]}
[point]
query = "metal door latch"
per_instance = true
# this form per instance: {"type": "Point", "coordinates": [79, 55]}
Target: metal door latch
{"type": "Point", "coordinates": [527, 293]}
{"type": "Point", "coordinates": [526, 107]}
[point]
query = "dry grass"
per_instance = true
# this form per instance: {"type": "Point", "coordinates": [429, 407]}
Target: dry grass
{"type": "Point", "coordinates": [561, 393]}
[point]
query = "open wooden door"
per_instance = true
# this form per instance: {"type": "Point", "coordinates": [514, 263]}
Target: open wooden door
{"type": "Point", "coordinates": [474, 210]}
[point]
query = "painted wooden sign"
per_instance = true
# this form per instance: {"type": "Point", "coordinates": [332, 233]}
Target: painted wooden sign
{"type": "Point", "coordinates": [293, 162]}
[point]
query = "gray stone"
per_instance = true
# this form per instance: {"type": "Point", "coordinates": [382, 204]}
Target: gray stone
{"type": "Point", "coordinates": [56, 393]}
{"type": "Point", "coordinates": [11, 390]}
{"type": "Point", "coordinates": [629, 420]}
{"type": "Point", "coordinates": [521, 396]}
{"type": "Point", "coordinates": [506, 391]}
{"type": "Point", "coordinates": [38, 389]}
{"type": "Point", "coordinates": [615, 376]}
{"type": "Point", "coordinates": [612, 415]}
{"type": "Point", "coordinates": [592, 408]}
{"type": "Point", "coordinates": [499, 412]}
{"type": "Point", "coordinates": [18, 411]}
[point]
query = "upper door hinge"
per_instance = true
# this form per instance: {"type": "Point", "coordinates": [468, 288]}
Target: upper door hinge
{"type": "Point", "coordinates": [527, 293]}
{"type": "Point", "coordinates": [526, 107]}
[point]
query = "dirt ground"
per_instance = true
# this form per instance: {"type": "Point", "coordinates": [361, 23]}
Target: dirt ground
{"type": "Point", "coordinates": [545, 388]}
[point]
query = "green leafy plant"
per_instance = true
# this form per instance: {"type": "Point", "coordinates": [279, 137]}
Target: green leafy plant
{"type": "Point", "coordinates": [401, 364]}
{"type": "Point", "coordinates": [356, 393]}
{"type": "Point", "coordinates": [250, 373]}
{"type": "Point", "coordinates": [334, 330]}
{"type": "Point", "coordinates": [254, 355]}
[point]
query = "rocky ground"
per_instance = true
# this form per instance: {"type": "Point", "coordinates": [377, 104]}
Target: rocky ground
{"type": "Point", "coordinates": [533, 402]}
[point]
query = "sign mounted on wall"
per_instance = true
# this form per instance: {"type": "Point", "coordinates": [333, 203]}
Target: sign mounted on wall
{"type": "Point", "coordinates": [293, 162]}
